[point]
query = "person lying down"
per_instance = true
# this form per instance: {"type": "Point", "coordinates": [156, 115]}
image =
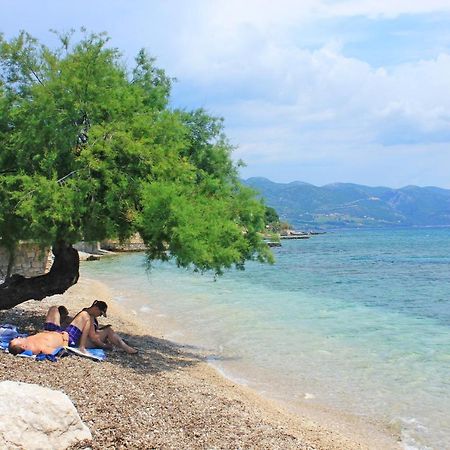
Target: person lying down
{"type": "Point", "coordinates": [83, 332]}
{"type": "Point", "coordinates": [45, 342]}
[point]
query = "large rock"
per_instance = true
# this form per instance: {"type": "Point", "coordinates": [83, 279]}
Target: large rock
{"type": "Point", "coordinates": [33, 417]}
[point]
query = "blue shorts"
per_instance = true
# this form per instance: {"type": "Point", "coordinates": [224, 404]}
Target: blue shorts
{"type": "Point", "coordinates": [49, 326]}
{"type": "Point", "coordinates": [74, 335]}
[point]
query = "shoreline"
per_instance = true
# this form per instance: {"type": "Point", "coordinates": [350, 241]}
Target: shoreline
{"type": "Point", "coordinates": [339, 421]}
{"type": "Point", "coordinates": [180, 400]}
{"type": "Point", "coordinates": [353, 427]}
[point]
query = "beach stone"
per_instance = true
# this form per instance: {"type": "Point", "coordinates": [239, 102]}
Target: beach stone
{"type": "Point", "coordinates": [34, 417]}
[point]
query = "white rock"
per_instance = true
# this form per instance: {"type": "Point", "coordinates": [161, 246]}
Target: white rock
{"type": "Point", "coordinates": [33, 417]}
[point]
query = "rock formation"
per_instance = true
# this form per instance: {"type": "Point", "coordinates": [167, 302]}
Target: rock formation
{"type": "Point", "coordinates": [35, 417]}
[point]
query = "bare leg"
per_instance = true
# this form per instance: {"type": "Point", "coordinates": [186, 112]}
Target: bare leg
{"type": "Point", "coordinates": [115, 339]}
{"type": "Point", "coordinates": [65, 319]}
{"type": "Point", "coordinates": [84, 335]}
{"type": "Point", "coordinates": [53, 316]}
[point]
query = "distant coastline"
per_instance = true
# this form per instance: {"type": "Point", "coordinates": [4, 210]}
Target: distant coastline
{"type": "Point", "coordinates": [345, 205]}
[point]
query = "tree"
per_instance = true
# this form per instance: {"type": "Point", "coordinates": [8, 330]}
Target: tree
{"type": "Point", "coordinates": [91, 150]}
{"type": "Point", "coordinates": [271, 217]}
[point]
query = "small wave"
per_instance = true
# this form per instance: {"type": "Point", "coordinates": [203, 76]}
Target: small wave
{"type": "Point", "coordinates": [412, 433]}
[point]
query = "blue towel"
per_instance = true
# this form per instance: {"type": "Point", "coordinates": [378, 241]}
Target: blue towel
{"type": "Point", "coordinates": [26, 354]}
{"type": "Point", "coordinates": [59, 352]}
{"type": "Point", "coordinates": [96, 354]}
{"type": "Point", "coordinates": [99, 353]}
{"type": "Point", "coordinates": [7, 333]}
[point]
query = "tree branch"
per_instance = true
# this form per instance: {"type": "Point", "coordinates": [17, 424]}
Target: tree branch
{"type": "Point", "coordinates": [63, 274]}
{"type": "Point", "coordinates": [37, 77]}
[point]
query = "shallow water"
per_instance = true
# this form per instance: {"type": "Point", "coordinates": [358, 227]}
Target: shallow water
{"type": "Point", "coordinates": [356, 320]}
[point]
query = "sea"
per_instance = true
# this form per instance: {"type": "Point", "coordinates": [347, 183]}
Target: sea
{"type": "Point", "coordinates": [354, 320]}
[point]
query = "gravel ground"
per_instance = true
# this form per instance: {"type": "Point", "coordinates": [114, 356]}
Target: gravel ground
{"type": "Point", "coordinates": [166, 397]}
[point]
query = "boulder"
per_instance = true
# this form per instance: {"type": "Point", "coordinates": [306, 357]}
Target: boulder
{"type": "Point", "coordinates": [34, 417]}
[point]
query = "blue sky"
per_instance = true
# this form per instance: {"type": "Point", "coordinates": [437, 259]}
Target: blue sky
{"type": "Point", "coordinates": [314, 90]}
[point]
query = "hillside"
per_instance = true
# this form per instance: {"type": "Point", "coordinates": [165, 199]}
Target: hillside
{"type": "Point", "coordinates": [351, 205]}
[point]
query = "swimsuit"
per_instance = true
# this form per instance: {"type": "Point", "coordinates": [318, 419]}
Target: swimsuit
{"type": "Point", "coordinates": [49, 326]}
{"type": "Point", "coordinates": [74, 335]}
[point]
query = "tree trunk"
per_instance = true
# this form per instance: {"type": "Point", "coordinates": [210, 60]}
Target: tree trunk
{"type": "Point", "coordinates": [11, 258]}
{"type": "Point", "coordinates": [63, 274]}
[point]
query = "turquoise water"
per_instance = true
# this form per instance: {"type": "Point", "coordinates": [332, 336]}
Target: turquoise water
{"type": "Point", "coordinates": [355, 320]}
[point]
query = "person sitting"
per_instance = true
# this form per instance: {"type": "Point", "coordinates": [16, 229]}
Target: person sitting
{"type": "Point", "coordinates": [55, 321]}
{"type": "Point", "coordinates": [83, 332]}
{"type": "Point", "coordinates": [55, 335]}
{"type": "Point", "coordinates": [86, 330]}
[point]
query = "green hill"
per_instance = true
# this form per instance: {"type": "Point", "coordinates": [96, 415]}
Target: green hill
{"type": "Point", "coordinates": [351, 205]}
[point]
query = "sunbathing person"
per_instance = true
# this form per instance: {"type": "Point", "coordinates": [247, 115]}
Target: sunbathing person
{"type": "Point", "coordinates": [83, 332]}
{"type": "Point", "coordinates": [75, 335]}
{"type": "Point", "coordinates": [54, 321]}
{"type": "Point", "coordinates": [92, 335]}
{"type": "Point", "coordinates": [44, 342]}
{"type": "Point", "coordinates": [54, 335]}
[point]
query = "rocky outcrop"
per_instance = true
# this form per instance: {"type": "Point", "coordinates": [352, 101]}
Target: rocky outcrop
{"type": "Point", "coordinates": [34, 417]}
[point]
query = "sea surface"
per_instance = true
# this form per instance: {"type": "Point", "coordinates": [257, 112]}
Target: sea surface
{"type": "Point", "coordinates": [355, 320]}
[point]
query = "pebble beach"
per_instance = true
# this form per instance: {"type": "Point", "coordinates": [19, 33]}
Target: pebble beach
{"type": "Point", "coordinates": [167, 396]}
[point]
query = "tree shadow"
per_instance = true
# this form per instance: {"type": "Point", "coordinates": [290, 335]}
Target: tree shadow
{"type": "Point", "coordinates": [155, 354]}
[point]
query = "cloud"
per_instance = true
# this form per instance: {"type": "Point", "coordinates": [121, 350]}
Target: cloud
{"type": "Point", "coordinates": [246, 64]}
{"type": "Point", "coordinates": [300, 83]}
{"type": "Point", "coordinates": [338, 115]}
{"type": "Point", "coordinates": [305, 88]}
{"type": "Point", "coordinates": [386, 8]}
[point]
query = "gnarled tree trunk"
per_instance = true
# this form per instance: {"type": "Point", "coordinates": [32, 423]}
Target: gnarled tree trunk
{"type": "Point", "coordinates": [63, 274]}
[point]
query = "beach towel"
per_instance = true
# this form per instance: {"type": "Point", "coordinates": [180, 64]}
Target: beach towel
{"type": "Point", "coordinates": [97, 354]}
{"type": "Point", "coordinates": [9, 332]}
{"type": "Point", "coordinates": [59, 352]}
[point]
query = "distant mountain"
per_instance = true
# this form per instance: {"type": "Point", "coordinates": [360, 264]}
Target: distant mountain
{"type": "Point", "coordinates": [352, 205]}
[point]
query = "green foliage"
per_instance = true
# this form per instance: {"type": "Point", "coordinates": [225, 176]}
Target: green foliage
{"type": "Point", "coordinates": [199, 225]}
{"type": "Point", "coordinates": [90, 150]}
{"type": "Point", "coordinates": [272, 223]}
{"type": "Point", "coordinates": [271, 216]}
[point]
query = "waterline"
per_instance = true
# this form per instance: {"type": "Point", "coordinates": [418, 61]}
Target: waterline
{"type": "Point", "coordinates": [355, 315]}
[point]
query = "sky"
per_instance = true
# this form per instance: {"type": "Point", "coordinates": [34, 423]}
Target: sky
{"type": "Point", "coordinates": [320, 91]}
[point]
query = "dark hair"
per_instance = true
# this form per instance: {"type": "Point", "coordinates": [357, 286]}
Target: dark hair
{"type": "Point", "coordinates": [15, 349]}
{"type": "Point", "coordinates": [101, 305]}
